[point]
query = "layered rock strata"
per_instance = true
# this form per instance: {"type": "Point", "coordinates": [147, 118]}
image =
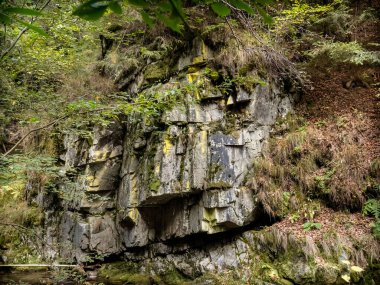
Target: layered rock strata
{"type": "Point", "coordinates": [136, 187]}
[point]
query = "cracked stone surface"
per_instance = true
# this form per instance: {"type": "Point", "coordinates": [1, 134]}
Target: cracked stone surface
{"type": "Point", "coordinates": [135, 185]}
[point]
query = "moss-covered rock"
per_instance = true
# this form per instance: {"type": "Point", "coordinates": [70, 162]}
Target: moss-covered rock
{"type": "Point", "coordinates": [156, 71]}
{"type": "Point", "coordinates": [123, 272]}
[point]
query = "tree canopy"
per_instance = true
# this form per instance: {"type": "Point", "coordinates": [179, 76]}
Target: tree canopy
{"type": "Point", "coordinates": [170, 12]}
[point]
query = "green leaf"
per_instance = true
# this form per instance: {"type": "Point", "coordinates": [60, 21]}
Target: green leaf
{"type": "Point", "coordinates": [146, 18]}
{"type": "Point", "coordinates": [5, 19]}
{"type": "Point", "coordinates": [220, 9]}
{"type": "Point", "coordinates": [267, 18]}
{"type": "Point", "coordinates": [22, 11]}
{"type": "Point", "coordinates": [174, 22]}
{"type": "Point", "coordinates": [242, 5]}
{"type": "Point", "coordinates": [178, 7]}
{"type": "Point", "coordinates": [32, 27]}
{"type": "Point", "coordinates": [34, 120]}
{"type": "Point", "coordinates": [91, 10]}
{"type": "Point", "coordinates": [264, 2]}
{"type": "Point", "coordinates": [116, 7]}
{"type": "Point", "coordinates": [311, 225]}
{"type": "Point", "coordinates": [317, 226]}
{"type": "Point", "coordinates": [306, 225]}
{"type": "Point", "coordinates": [139, 3]}
{"type": "Point", "coordinates": [165, 6]}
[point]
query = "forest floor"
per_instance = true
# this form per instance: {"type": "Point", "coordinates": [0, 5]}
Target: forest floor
{"type": "Point", "coordinates": [329, 99]}
{"type": "Point", "coordinates": [327, 102]}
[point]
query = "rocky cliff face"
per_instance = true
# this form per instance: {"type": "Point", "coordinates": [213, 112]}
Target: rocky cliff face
{"type": "Point", "coordinates": [144, 190]}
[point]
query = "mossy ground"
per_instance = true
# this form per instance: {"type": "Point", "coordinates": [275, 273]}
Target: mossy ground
{"type": "Point", "coordinates": [131, 272]}
{"type": "Point", "coordinates": [123, 272]}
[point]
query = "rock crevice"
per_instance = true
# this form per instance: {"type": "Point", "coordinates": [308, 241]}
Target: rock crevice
{"type": "Point", "coordinates": [135, 186]}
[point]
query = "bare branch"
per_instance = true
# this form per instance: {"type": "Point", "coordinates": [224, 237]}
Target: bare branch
{"type": "Point", "coordinates": [13, 225]}
{"type": "Point", "coordinates": [33, 131]}
{"type": "Point", "coordinates": [5, 33]}
{"type": "Point", "coordinates": [234, 35]}
{"type": "Point", "coordinates": [23, 31]}
{"type": "Point", "coordinates": [50, 124]}
{"type": "Point", "coordinates": [8, 50]}
{"type": "Point", "coordinates": [40, 265]}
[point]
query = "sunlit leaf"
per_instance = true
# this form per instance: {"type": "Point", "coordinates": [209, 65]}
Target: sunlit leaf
{"type": "Point", "coordinates": [173, 22]}
{"type": "Point", "coordinates": [306, 225]}
{"type": "Point", "coordinates": [177, 7]}
{"type": "Point", "coordinates": [165, 6]}
{"type": "Point", "coordinates": [356, 269]}
{"type": "Point", "coordinates": [264, 2]}
{"type": "Point", "coordinates": [346, 278]}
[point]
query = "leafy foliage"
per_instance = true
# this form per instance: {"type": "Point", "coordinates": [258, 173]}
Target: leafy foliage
{"type": "Point", "coordinates": [94, 9]}
{"type": "Point", "coordinates": [372, 208]}
{"type": "Point", "coordinates": [11, 14]}
{"type": "Point", "coordinates": [20, 219]}
{"type": "Point", "coordinates": [341, 52]}
{"type": "Point", "coordinates": [311, 226]}
{"type": "Point", "coordinates": [336, 22]}
{"type": "Point", "coordinates": [16, 168]}
{"type": "Point", "coordinates": [300, 16]}
{"type": "Point", "coordinates": [19, 167]}
{"type": "Point", "coordinates": [34, 78]}
{"type": "Point", "coordinates": [170, 12]}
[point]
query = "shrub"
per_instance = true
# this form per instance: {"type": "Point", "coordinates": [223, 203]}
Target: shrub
{"type": "Point", "coordinates": [328, 52]}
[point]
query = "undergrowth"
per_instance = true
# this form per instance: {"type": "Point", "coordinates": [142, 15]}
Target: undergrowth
{"type": "Point", "coordinates": [280, 257]}
{"type": "Point", "coordinates": [325, 161]}
{"type": "Point", "coordinates": [20, 217]}
{"type": "Point", "coordinates": [328, 53]}
{"type": "Point", "coordinates": [372, 208]}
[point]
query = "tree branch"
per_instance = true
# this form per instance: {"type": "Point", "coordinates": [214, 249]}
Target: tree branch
{"type": "Point", "coordinates": [30, 231]}
{"type": "Point", "coordinates": [5, 33]}
{"type": "Point", "coordinates": [8, 50]}
{"type": "Point", "coordinates": [50, 124]}
{"type": "Point", "coordinates": [25, 29]}
{"type": "Point", "coordinates": [33, 131]}
{"type": "Point", "coordinates": [233, 34]}
{"type": "Point", "coordinates": [13, 225]}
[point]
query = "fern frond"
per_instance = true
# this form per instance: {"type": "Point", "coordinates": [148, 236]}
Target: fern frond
{"type": "Point", "coordinates": [372, 208]}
